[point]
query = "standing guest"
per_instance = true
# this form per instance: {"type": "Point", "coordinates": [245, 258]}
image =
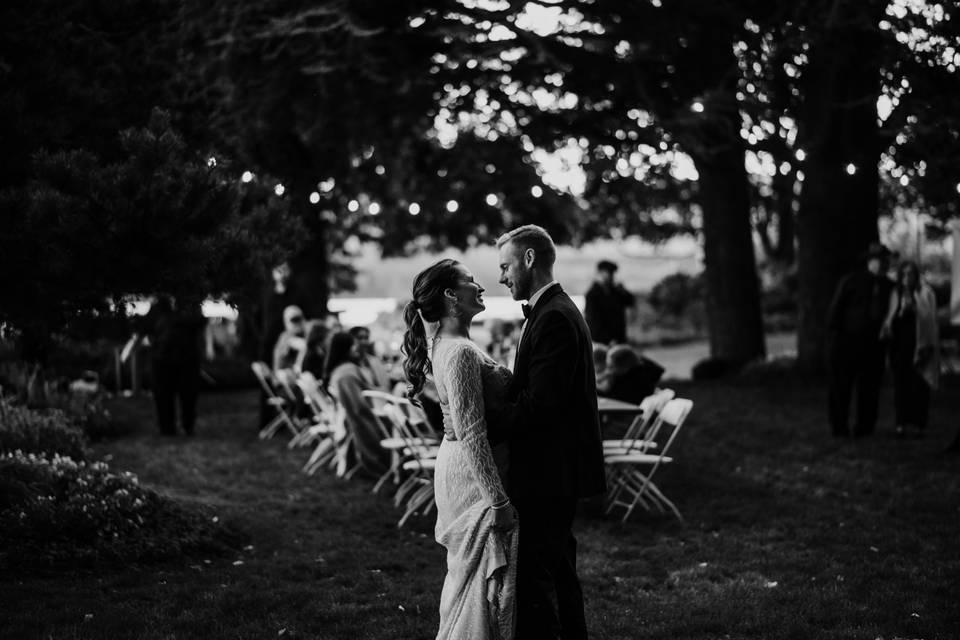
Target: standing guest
{"type": "Point", "coordinates": [347, 384]}
{"type": "Point", "coordinates": [271, 324]}
{"type": "Point", "coordinates": [371, 365]}
{"type": "Point", "coordinates": [855, 354]}
{"type": "Point", "coordinates": [278, 297]}
{"type": "Point", "coordinates": [175, 332]}
{"type": "Point", "coordinates": [313, 358]}
{"type": "Point", "coordinates": [607, 302]}
{"type": "Point", "coordinates": [911, 326]}
{"type": "Point", "coordinates": [291, 342]}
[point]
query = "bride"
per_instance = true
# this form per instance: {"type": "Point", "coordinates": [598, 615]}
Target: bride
{"type": "Point", "coordinates": [475, 521]}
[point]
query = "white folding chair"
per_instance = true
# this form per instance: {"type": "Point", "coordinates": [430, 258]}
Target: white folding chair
{"type": "Point", "coordinates": [271, 386]}
{"type": "Point", "coordinates": [412, 449]}
{"type": "Point", "coordinates": [396, 413]}
{"type": "Point", "coordinates": [631, 473]}
{"type": "Point", "coordinates": [639, 436]}
{"type": "Point", "coordinates": [322, 406]}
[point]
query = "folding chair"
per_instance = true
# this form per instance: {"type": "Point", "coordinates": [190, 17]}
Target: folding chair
{"type": "Point", "coordinates": [639, 436]}
{"type": "Point", "coordinates": [271, 386]}
{"type": "Point", "coordinates": [403, 415]}
{"type": "Point", "coordinates": [413, 451]}
{"type": "Point", "coordinates": [632, 473]}
{"type": "Point", "coordinates": [324, 427]}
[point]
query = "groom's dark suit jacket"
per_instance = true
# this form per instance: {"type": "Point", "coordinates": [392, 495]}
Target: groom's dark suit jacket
{"type": "Point", "coordinates": [551, 419]}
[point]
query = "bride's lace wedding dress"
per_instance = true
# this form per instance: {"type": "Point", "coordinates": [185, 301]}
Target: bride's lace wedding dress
{"type": "Point", "coordinates": [479, 592]}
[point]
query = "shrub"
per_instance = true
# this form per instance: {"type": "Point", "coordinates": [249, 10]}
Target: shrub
{"type": "Point", "coordinates": [47, 433]}
{"type": "Point", "coordinates": [56, 511]}
{"type": "Point", "coordinates": [676, 294]}
{"type": "Point", "coordinates": [84, 405]}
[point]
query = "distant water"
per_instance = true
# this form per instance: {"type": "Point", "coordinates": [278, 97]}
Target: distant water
{"type": "Point", "coordinates": [364, 311]}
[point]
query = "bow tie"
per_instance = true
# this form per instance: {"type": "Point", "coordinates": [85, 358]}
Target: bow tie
{"type": "Point", "coordinates": [526, 310]}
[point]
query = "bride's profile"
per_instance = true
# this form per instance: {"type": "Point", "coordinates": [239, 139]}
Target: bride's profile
{"type": "Point", "coordinates": [475, 521]}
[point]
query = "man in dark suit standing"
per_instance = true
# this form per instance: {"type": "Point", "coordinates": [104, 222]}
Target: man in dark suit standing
{"type": "Point", "coordinates": [551, 423]}
{"type": "Point", "coordinates": [856, 355]}
{"type": "Point", "coordinates": [606, 306]}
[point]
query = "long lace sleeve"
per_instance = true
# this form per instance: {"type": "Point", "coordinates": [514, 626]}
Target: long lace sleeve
{"type": "Point", "coordinates": [465, 392]}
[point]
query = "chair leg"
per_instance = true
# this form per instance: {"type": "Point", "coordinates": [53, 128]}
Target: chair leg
{"type": "Point", "coordinates": [420, 497]}
{"type": "Point", "coordinates": [268, 431]}
{"type": "Point", "coordinates": [390, 473]}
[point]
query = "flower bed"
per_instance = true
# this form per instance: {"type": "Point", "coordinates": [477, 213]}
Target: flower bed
{"type": "Point", "coordinates": [57, 511]}
{"type": "Point", "coordinates": [47, 432]}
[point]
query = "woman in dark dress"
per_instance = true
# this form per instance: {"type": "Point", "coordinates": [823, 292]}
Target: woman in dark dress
{"type": "Point", "coordinates": [911, 327]}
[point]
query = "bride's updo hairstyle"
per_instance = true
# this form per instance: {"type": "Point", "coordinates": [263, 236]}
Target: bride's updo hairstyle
{"type": "Point", "coordinates": [428, 301]}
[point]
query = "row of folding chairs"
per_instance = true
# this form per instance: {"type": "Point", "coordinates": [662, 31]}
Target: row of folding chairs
{"type": "Point", "coordinates": [405, 434]}
{"type": "Point", "coordinates": [633, 460]}
{"type": "Point", "coordinates": [309, 414]}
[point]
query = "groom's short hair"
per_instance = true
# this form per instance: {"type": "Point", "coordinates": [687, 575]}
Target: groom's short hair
{"type": "Point", "coordinates": [531, 236]}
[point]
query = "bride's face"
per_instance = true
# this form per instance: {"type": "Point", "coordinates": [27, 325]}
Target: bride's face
{"type": "Point", "coordinates": [469, 293]}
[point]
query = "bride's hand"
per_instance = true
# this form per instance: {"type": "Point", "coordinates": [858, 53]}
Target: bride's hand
{"type": "Point", "coordinates": [505, 518]}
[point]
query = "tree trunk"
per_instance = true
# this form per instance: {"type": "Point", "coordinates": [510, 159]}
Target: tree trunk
{"type": "Point", "coordinates": [838, 131]}
{"type": "Point", "coordinates": [311, 267]}
{"type": "Point", "coordinates": [784, 198]}
{"type": "Point", "coordinates": [733, 288]}
{"type": "Point", "coordinates": [713, 141]}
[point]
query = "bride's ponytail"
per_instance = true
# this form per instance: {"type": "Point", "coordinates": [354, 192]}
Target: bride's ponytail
{"type": "Point", "coordinates": [416, 365]}
{"type": "Point", "coordinates": [427, 305]}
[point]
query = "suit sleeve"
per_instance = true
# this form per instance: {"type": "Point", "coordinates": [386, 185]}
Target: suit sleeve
{"type": "Point", "coordinates": [836, 305]}
{"type": "Point", "coordinates": [546, 396]}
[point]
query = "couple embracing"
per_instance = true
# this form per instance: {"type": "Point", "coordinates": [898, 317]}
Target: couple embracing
{"type": "Point", "coordinates": [519, 448]}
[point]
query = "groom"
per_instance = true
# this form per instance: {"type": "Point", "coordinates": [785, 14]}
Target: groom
{"type": "Point", "coordinates": [551, 423]}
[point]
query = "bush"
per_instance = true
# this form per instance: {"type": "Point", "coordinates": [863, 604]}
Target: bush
{"type": "Point", "coordinates": [83, 405]}
{"type": "Point", "coordinates": [45, 433]}
{"type": "Point", "coordinates": [56, 511]}
{"type": "Point", "coordinates": [676, 294]}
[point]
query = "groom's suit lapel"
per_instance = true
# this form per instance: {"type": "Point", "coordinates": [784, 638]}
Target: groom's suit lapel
{"type": "Point", "coordinates": [523, 351]}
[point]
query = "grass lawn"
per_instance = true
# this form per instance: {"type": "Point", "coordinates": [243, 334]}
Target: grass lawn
{"type": "Point", "coordinates": [788, 534]}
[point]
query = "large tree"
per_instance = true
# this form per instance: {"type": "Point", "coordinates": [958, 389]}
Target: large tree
{"type": "Point", "coordinates": [342, 101]}
{"type": "Point", "coordinates": [854, 55]}
{"type": "Point", "coordinates": [638, 87]}
{"type": "Point", "coordinates": [101, 198]}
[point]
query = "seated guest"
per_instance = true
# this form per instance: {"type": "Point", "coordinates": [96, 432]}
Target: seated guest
{"type": "Point", "coordinates": [313, 358]}
{"type": "Point", "coordinates": [371, 365]}
{"type": "Point", "coordinates": [600, 362]}
{"type": "Point", "coordinates": [629, 377]}
{"type": "Point", "coordinates": [291, 342]}
{"type": "Point", "coordinates": [347, 382]}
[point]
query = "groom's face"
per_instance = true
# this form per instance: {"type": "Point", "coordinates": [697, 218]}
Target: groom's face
{"type": "Point", "coordinates": [515, 274]}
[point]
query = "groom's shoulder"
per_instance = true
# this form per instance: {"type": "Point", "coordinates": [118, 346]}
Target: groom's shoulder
{"type": "Point", "coordinates": [561, 305]}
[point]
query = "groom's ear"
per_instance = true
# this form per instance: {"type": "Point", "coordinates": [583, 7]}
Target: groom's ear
{"type": "Point", "coordinates": [529, 256]}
